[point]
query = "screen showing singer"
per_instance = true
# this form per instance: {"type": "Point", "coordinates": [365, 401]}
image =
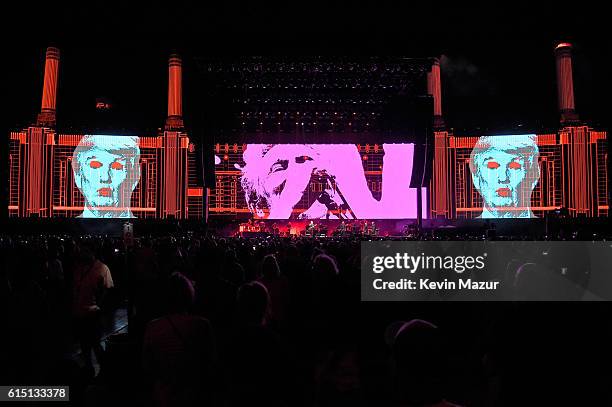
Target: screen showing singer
{"type": "Point", "coordinates": [327, 181]}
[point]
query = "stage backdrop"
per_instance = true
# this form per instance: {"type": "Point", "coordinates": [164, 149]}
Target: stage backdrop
{"type": "Point", "coordinates": [103, 176]}
{"type": "Point", "coordinates": [520, 176]}
{"type": "Point", "coordinates": [316, 181]}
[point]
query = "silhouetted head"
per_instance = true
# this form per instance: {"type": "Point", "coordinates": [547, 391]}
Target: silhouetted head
{"type": "Point", "coordinates": [418, 361]}
{"type": "Point", "coordinates": [86, 252]}
{"type": "Point", "coordinates": [253, 302]}
{"type": "Point", "coordinates": [269, 267]}
{"type": "Point", "coordinates": [180, 293]}
{"type": "Point", "coordinates": [325, 267]}
{"type": "Point", "coordinates": [530, 282]}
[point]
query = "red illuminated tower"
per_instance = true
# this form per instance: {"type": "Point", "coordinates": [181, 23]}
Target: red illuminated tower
{"type": "Point", "coordinates": [434, 89]}
{"type": "Point", "coordinates": [175, 93]}
{"type": "Point", "coordinates": [173, 146]}
{"type": "Point", "coordinates": [579, 144]}
{"type": "Point", "coordinates": [565, 83]}
{"type": "Point", "coordinates": [441, 201]}
{"type": "Point", "coordinates": [46, 117]}
{"type": "Point", "coordinates": [36, 148]}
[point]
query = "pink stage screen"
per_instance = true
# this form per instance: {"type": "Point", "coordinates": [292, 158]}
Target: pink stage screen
{"type": "Point", "coordinates": [316, 181]}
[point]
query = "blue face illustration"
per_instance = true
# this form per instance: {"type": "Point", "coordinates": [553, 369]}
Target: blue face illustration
{"type": "Point", "coordinates": [106, 173]}
{"type": "Point", "coordinates": [505, 175]}
{"type": "Point", "coordinates": [500, 175]}
{"type": "Point", "coordinates": [103, 175]}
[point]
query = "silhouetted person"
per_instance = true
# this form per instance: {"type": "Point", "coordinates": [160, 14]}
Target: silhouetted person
{"type": "Point", "coordinates": [324, 282]}
{"type": "Point", "coordinates": [418, 365]}
{"type": "Point", "coordinates": [339, 382]}
{"type": "Point", "coordinates": [259, 370]}
{"type": "Point", "coordinates": [278, 288]}
{"type": "Point", "coordinates": [178, 350]}
{"type": "Point", "coordinates": [91, 280]}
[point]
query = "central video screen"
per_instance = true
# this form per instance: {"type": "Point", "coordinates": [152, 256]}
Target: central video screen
{"type": "Point", "coordinates": [316, 181]}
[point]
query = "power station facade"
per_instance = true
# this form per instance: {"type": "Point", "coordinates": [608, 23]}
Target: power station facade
{"type": "Point", "coordinates": [41, 182]}
{"type": "Point", "coordinates": [572, 162]}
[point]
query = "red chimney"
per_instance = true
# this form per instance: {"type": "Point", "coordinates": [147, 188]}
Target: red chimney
{"type": "Point", "coordinates": [46, 116]}
{"type": "Point", "coordinates": [175, 93]}
{"type": "Point", "coordinates": [434, 88]}
{"type": "Point", "coordinates": [565, 83]}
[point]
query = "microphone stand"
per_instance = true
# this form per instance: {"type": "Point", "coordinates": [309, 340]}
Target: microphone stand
{"type": "Point", "coordinates": [328, 178]}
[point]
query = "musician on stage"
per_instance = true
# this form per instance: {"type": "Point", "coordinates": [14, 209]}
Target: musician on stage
{"type": "Point", "coordinates": [373, 231]}
{"type": "Point", "coordinates": [310, 228]}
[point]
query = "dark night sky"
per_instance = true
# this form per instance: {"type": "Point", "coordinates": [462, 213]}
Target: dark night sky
{"type": "Point", "coordinates": [498, 63]}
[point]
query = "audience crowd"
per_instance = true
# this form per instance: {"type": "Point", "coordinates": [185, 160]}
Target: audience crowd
{"type": "Point", "coordinates": [278, 322]}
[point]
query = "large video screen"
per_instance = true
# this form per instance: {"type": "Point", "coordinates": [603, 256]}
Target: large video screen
{"type": "Point", "coordinates": [316, 181]}
{"type": "Point", "coordinates": [106, 171]}
{"type": "Point", "coordinates": [98, 176]}
{"type": "Point", "coordinates": [81, 176]}
{"type": "Point", "coordinates": [505, 171]}
{"type": "Point", "coordinates": [518, 176]}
